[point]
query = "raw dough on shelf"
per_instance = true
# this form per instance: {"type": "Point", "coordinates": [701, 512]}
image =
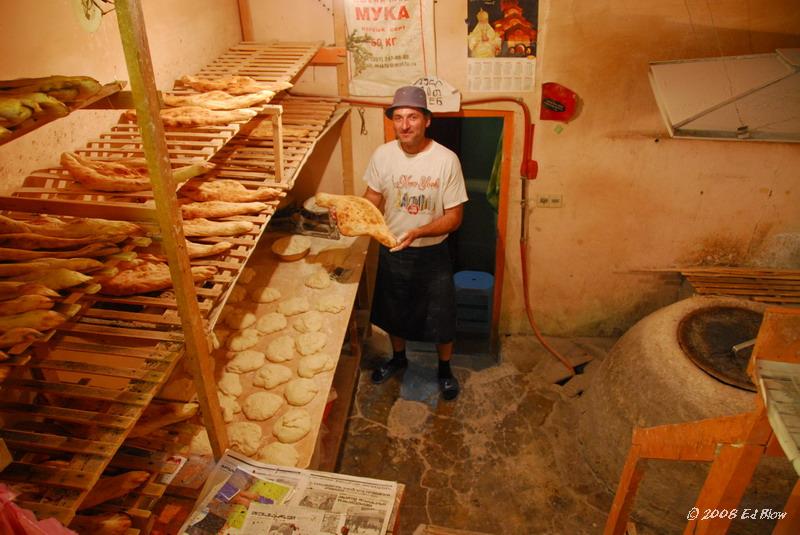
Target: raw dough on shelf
{"type": "Point", "coordinates": [308, 322]}
{"type": "Point", "coordinates": [237, 294]}
{"type": "Point", "coordinates": [313, 364]}
{"type": "Point", "coordinates": [278, 453]}
{"type": "Point", "coordinates": [200, 444]}
{"type": "Point", "coordinates": [261, 405]}
{"type": "Point", "coordinates": [271, 322]}
{"type": "Point", "coordinates": [230, 384]}
{"type": "Point", "coordinates": [294, 306]}
{"type": "Point", "coordinates": [247, 275]}
{"type": "Point", "coordinates": [319, 280]}
{"type": "Point", "coordinates": [331, 303]}
{"type": "Point", "coordinates": [243, 340]}
{"type": "Point", "coordinates": [300, 391]}
{"type": "Point", "coordinates": [239, 319]}
{"type": "Point", "coordinates": [229, 406]}
{"type": "Point", "coordinates": [292, 426]}
{"type": "Point", "coordinates": [244, 437]}
{"type": "Point", "coordinates": [281, 349]}
{"type": "Point", "coordinates": [271, 375]}
{"type": "Point", "coordinates": [245, 361]}
{"type": "Point", "coordinates": [265, 294]}
{"type": "Point", "coordinates": [310, 343]}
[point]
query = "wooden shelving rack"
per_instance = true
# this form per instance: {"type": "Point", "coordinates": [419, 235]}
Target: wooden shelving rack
{"type": "Point", "coordinates": [75, 397]}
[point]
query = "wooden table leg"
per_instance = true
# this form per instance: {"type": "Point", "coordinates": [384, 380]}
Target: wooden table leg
{"type": "Point", "coordinates": [632, 473]}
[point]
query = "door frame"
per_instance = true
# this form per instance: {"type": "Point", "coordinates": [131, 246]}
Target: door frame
{"type": "Point", "coordinates": [502, 207]}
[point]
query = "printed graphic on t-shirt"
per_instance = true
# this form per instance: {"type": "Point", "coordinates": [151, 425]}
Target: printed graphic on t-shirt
{"type": "Point", "coordinates": [414, 196]}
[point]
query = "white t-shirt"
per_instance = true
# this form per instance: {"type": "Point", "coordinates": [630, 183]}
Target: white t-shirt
{"type": "Point", "coordinates": [417, 188]}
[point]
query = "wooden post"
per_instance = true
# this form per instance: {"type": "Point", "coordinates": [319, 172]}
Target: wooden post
{"type": "Point", "coordinates": [246, 20]}
{"type": "Point", "coordinates": [275, 112]}
{"type": "Point", "coordinates": [343, 85]}
{"type": "Point", "coordinates": [140, 72]}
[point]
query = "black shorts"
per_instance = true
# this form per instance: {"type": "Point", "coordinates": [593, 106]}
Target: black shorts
{"type": "Point", "coordinates": [415, 294]}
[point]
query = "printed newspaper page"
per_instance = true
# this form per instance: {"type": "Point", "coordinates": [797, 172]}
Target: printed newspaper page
{"type": "Point", "coordinates": [243, 496]}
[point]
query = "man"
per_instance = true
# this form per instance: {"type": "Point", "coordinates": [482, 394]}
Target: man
{"type": "Point", "coordinates": [422, 186]}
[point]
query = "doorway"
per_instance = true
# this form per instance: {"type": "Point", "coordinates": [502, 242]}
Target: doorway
{"type": "Point", "coordinates": [482, 139]}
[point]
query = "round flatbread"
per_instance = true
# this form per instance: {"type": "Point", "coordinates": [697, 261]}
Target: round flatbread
{"type": "Point", "coordinates": [281, 349]}
{"type": "Point", "coordinates": [292, 426]}
{"type": "Point", "coordinates": [261, 405]}
{"type": "Point", "coordinates": [271, 322]}
{"type": "Point", "coordinates": [300, 391]}
{"type": "Point", "coordinates": [278, 453]}
{"type": "Point", "coordinates": [271, 375]}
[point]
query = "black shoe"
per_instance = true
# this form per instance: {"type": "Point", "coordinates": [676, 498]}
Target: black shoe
{"type": "Point", "coordinates": [387, 369]}
{"type": "Point", "coordinates": [449, 387]}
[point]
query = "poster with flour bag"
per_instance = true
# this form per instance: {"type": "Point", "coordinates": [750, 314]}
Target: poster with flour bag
{"type": "Point", "coordinates": [389, 44]}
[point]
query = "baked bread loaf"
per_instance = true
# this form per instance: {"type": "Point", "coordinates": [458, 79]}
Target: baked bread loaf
{"type": "Point", "coordinates": [356, 216]}
{"type": "Point", "coordinates": [219, 100]}
{"type": "Point", "coordinates": [233, 85]}
{"type": "Point", "coordinates": [193, 116]}
{"type": "Point", "coordinates": [203, 227]}
{"type": "Point", "coordinates": [226, 190]}
{"type": "Point", "coordinates": [143, 277]}
{"type": "Point", "coordinates": [122, 175]}
{"type": "Point", "coordinates": [221, 209]}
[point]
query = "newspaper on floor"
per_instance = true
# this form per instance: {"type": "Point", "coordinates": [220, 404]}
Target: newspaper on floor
{"type": "Point", "coordinates": [243, 497]}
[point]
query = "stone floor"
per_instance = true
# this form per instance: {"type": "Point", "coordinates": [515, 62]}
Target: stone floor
{"type": "Point", "coordinates": [500, 459]}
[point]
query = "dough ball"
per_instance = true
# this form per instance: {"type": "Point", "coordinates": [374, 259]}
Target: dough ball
{"type": "Point", "coordinates": [247, 275]}
{"type": "Point", "coordinates": [313, 364]}
{"type": "Point", "coordinates": [230, 384]}
{"type": "Point", "coordinates": [237, 294]}
{"type": "Point", "coordinates": [309, 343]}
{"type": "Point", "coordinates": [229, 406]}
{"type": "Point", "coordinates": [293, 306]}
{"type": "Point", "coordinates": [265, 294]}
{"type": "Point", "coordinates": [261, 405]}
{"type": "Point", "coordinates": [200, 444]}
{"type": "Point", "coordinates": [271, 375]}
{"type": "Point", "coordinates": [222, 334]}
{"type": "Point", "coordinates": [292, 426]}
{"type": "Point", "coordinates": [239, 319]}
{"type": "Point", "coordinates": [291, 245]}
{"type": "Point", "coordinates": [319, 280]}
{"type": "Point", "coordinates": [278, 453]}
{"type": "Point", "coordinates": [243, 340]}
{"type": "Point", "coordinates": [244, 437]}
{"type": "Point", "coordinates": [271, 322]}
{"type": "Point", "coordinates": [281, 349]}
{"type": "Point", "coordinates": [331, 303]}
{"type": "Point", "coordinates": [245, 361]}
{"type": "Point", "coordinates": [308, 322]}
{"type": "Point", "coordinates": [300, 391]}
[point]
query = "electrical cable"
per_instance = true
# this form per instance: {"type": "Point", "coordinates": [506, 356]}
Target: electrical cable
{"type": "Point", "coordinates": [527, 167]}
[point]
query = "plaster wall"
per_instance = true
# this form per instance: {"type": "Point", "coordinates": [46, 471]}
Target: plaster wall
{"type": "Point", "coordinates": [633, 197]}
{"type": "Point", "coordinates": [42, 37]}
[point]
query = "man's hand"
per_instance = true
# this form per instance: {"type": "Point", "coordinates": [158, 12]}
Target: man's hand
{"type": "Point", "coordinates": [403, 241]}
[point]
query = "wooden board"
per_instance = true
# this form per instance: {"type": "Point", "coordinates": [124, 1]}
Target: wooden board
{"type": "Point", "coordinates": [289, 278]}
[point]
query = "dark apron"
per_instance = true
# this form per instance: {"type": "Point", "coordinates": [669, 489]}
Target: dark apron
{"type": "Point", "coordinates": [415, 295]}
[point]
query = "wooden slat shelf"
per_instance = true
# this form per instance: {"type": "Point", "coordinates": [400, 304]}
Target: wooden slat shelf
{"type": "Point", "coordinates": [74, 397]}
